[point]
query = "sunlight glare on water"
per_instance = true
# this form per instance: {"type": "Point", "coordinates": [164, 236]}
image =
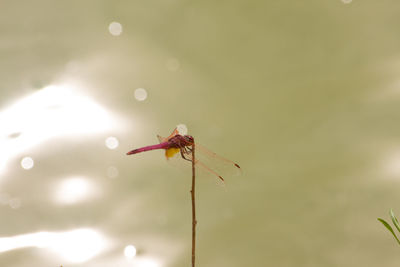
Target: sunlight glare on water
{"type": "Point", "coordinates": [54, 111]}
{"type": "Point", "coordinates": [147, 262]}
{"type": "Point", "coordinates": [74, 246]}
{"type": "Point", "coordinates": [2, 166]}
{"type": "Point", "coordinates": [74, 190]}
{"type": "Point", "coordinates": [78, 245]}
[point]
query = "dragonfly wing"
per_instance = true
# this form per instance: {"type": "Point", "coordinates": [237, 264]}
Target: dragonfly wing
{"type": "Point", "coordinates": [161, 139]}
{"type": "Point", "coordinates": [215, 156]}
{"type": "Point", "coordinates": [174, 132]}
{"type": "Point", "coordinates": [212, 166]}
{"type": "Point", "coordinates": [206, 160]}
{"type": "Point", "coordinates": [188, 155]}
{"type": "Point", "coordinates": [202, 165]}
{"type": "Point", "coordinates": [165, 139]}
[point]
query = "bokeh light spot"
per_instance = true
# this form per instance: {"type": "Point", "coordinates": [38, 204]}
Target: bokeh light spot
{"type": "Point", "coordinates": [140, 94]}
{"type": "Point", "coordinates": [112, 142]}
{"type": "Point", "coordinates": [130, 252]}
{"type": "Point", "coordinates": [182, 129]}
{"type": "Point", "coordinates": [115, 28]}
{"type": "Point", "coordinates": [27, 163]}
{"type": "Point", "coordinates": [112, 172]}
{"type": "Point", "coordinates": [15, 203]}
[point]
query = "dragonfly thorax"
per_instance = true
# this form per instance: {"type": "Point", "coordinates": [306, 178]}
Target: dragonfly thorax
{"type": "Point", "coordinates": [179, 141]}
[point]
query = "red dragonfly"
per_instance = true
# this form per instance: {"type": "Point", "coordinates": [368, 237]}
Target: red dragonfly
{"type": "Point", "coordinates": [176, 143]}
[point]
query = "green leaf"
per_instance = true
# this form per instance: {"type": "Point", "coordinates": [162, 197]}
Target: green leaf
{"type": "Point", "coordinates": [389, 228]}
{"type": "Point", "coordinates": [394, 220]}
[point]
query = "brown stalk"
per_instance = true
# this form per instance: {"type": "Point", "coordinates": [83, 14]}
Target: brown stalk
{"type": "Point", "coordinates": [194, 221]}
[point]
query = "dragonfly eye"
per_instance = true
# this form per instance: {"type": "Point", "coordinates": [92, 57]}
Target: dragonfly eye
{"type": "Point", "coordinates": [190, 139]}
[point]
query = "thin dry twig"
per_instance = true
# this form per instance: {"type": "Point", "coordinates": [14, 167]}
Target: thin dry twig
{"type": "Point", "coordinates": [194, 221]}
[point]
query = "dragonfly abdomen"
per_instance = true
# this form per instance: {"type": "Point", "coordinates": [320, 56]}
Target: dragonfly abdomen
{"type": "Point", "coordinates": [164, 145]}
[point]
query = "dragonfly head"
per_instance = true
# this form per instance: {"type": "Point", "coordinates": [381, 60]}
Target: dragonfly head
{"type": "Point", "coordinates": [189, 139]}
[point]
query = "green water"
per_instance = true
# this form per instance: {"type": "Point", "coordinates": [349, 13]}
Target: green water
{"type": "Point", "coordinates": [304, 95]}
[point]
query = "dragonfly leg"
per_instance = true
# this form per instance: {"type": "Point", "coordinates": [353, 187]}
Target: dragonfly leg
{"type": "Point", "coordinates": [189, 148]}
{"type": "Point", "coordinates": [183, 149]}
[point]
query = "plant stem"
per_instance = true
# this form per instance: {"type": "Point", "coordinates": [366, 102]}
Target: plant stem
{"type": "Point", "coordinates": [194, 221]}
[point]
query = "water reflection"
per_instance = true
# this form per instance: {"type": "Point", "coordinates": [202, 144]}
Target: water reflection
{"type": "Point", "coordinates": [54, 111]}
{"type": "Point", "coordinates": [391, 165]}
{"type": "Point", "coordinates": [12, 202]}
{"type": "Point", "coordinates": [78, 245]}
{"type": "Point", "coordinates": [74, 190]}
{"type": "Point", "coordinates": [15, 203]}
{"type": "Point", "coordinates": [147, 262]}
{"type": "Point", "coordinates": [4, 198]}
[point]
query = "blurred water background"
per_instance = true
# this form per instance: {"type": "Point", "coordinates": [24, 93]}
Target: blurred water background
{"type": "Point", "coordinates": [303, 94]}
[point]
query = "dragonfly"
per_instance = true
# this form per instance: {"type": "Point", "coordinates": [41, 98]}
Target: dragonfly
{"type": "Point", "coordinates": [177, 144]}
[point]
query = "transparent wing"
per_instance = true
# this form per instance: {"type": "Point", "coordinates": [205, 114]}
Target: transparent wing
{"type": "Point", "coordinates": [164, 139]}
{"type": "Point", "coordinates": [206, 160]}
{"type": "Point", "coordinates": [212, 163]}
{"type": "Point", "coordinates": [214, 156]}
{"type": "Point", "coordinates": [161, 139]}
